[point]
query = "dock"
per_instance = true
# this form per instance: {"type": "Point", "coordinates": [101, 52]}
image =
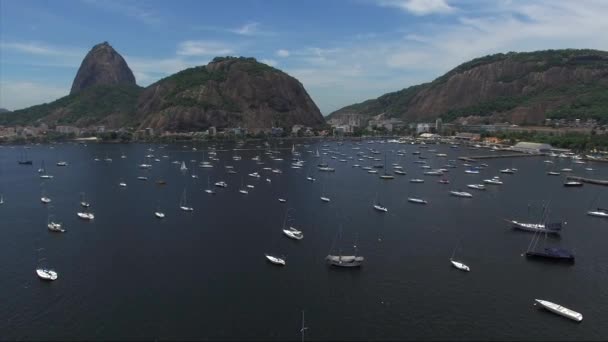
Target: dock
{"type": "Point", "coordinates": [588, 180]}
{"type": "Point", "coordinates": [473, 159]}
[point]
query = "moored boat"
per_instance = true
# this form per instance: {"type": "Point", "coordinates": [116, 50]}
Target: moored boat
{"type": "Point", "coordinates": [560, 310]}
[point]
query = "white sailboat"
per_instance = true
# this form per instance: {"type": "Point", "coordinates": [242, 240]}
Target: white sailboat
{"type": "Point", "coordinates": [459, 265]}
{"type": "Point", "coordinates": [83, 202]}
{"type": "Point", "coordinates": [416, 200]}
{"type": "Point", "coordinates": [44, 198]}
{"type": "Point", "coordinates": [291, 232]}
{"type": "Point", "coordinates": [275, 260]}
{"type": "Point", "coordinates": [461, 194]}
{"type": "Point", "coordinates": [242, 190]}
{"type": "Point", "coordinates": [183, 203]}
{"type": "Point", "coordinates": [43, 272]}
{"type": "Point", "coordinates": [209, 190]}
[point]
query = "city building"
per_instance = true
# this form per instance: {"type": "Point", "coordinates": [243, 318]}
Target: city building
{"type": "Point", "coordinates": [423, 128]}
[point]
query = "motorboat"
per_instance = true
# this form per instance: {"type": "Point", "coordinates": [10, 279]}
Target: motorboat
{"type": "Point", "coordinates": [62, 163]}
{"type": "Point", "coordinates": [45, 200]}
{"type": "Point", "coordinates": [142, 178]}
{"type": "Point", "coordinates": [573, 184]}
{"type": "Point", "coordinates": [560, 310]}
{"type": "Point", "coordinates": [122, 184]}
{"type": "Point", "coordinates": [282, 200]}
{"type": "Point", "coordinates": [221, 184]}
{"type": "Point", "coordinates": [553, 173]}
{"type": "Point", "coordinates": [325, 199]}
{"type": "Point", "coordinates": [159, 214]}
{"type": "Point", "coordinates": [55, 227]}
{"type": "Point", "coordinates": [507, 171]}
{"type": "Point", "coordinates": [494, 181]}
{"type": "Point", "coordinates": [416, 180]}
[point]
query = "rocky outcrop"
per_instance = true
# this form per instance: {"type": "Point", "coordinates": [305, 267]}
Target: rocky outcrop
{"type": "Point", "coordinates": [228, 92]}
{"type": "Point", "coordinates": [514, 87]}
{"type": "Point", "coordinates": [102, 66]}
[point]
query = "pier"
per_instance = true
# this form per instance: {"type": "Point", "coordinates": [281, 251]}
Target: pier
{"type": "Point", "coordinates": [588, 180]}
{"type": "Point", "coordinates": [494, 156]}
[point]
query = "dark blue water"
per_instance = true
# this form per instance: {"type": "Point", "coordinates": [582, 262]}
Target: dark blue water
{"type": "Point", "coordinates": [203, 275]}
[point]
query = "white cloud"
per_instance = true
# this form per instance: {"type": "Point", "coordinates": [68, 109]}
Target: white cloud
{"type": "Point", "coordinates": [20, 94]}
{"type": "Point", "coordinates": [248, 29]}
{"type": "Point", "coordinates": [128, 8]}
{"type": "Point", "coordinates": [203, 48]}
{"type": "Point", "coordinates": [282, 53]}
{"type": "Point", "coordinates": [270, 62]}
{"type": "Point", "coordinates": [419, 7]}
{"type": "Point", "coordinates": [41, 49]}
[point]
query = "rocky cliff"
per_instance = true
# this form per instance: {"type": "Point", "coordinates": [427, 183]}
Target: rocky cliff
{"type": "Point", "coordinates": [522, 88]}
{"type": "Point", "coordinates": [228, 92]}
{"type": "Point", "coordinates": [102, 66]}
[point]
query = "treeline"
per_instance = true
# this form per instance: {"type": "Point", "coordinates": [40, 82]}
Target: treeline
{"type": "Point", "coordinates": [574, 141]}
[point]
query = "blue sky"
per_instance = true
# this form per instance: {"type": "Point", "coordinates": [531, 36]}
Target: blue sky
{"type": "Point", "coordinates": [342, 51]}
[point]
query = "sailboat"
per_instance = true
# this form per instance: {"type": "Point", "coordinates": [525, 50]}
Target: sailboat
{"type": "Point", "coordinates": [44, 198]}
{"type": "Point", "coordinates": [43, 272]}
{"type": "Point", "coordinates": [85, 215]}
{"type": "Point", "coordinates": [378, 206]}
{"type": "Point", "coordinates": [275, 260]}
{"type": "Point", "coordinates": [42, 171]}
{"type": "Point", "coordinates": [541, 227]}
{"type": "Point", "coordinates": [209, 190]}
{"type": "Point", "coordinates": [183, 167]}
{"type": "Point", "coordinates": [1, 199]}
{"type": "Point", "coordinates": [183, 203]}
{"type": "Point", "coordinates": [386, 175]}
{"type": "Point", "coordinates": [52, 225]}
{"type": "Point", "coordinates": [459, 265]}
{"type": "Point", "coordinates": [560, 310]}
{"type": "Point", "coordinates": [159, 214]}
{"type": "Point", "coordinates": [242, 189]}
{"type": "Point", "coordinates": [547, 253]}
{"type": "Point", "coordinates": [24, 160]}
{"type": "Point", "coordinates": [345, 260]}
{"type": "Point", "coordinates": [291, 232]}
{"type": "Point", "coordinates": [304, 328]}
{"type": "Point", "coordinates": [598, 212]}
{"type": "Point", "coordinates": [83, 202]}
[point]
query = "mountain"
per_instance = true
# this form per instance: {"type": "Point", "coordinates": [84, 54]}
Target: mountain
{"type": "Point", "coordinates": [102, 66]}
{"type": "Point", "coordinates": [521, 88]}
{"type": "Point", "coordinates": [228, 92]}
{"type": "Point", "coordinates": [4, 110]}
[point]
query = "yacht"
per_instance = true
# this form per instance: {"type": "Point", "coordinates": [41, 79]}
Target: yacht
{"type": "Point", "coordinates": [325, 199]}
{"type": "Point", "coordinates": [560, 310]}
{"type": "Point", "coordinates": [221, 184]}
{"type": "Point", "coordinates": [553, 173]}
{"type": "Point", "coordinates": [344, 260]}
{"type": "Point", "coordinates": [550, 228]}
{"type": "Point", "coordinates": [310, 179]}
{"type": "Point", "coordinates": [573, 184]}
{"type": "Point", "coordinates": [143, 178]}
{"type": "Point", "coordinates": [444, 181]}
{"type": "Point", "coordinates": [62, 163]}
{"type": "Point", "coordinates": [282, 200]}
{"type": "Point", "coordinates": [122, 184]}
{"type": "Point", "coordinates": [507, 171]}
{"type": "Point", "coordinates": [55, 227]}
{"type": "Point", "coordinates": [159, 214]}
{"type": "Point", "coordinates": [471, 171]}
{"type": "Point", "coordinates": [416, 180]}
{"type": "Point", "coordinates": [45, 200]}
{"type": "Point", "coordinates": [399, 172]}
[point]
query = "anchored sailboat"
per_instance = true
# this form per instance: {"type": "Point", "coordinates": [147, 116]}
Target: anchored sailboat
{"type": "Point", "coordinates": [183, 203]}
{"type": "Point", "coordinates": [348, 261]}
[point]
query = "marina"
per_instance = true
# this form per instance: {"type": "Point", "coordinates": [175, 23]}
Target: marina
{"type": "Point", "coordinates": [323, 245]}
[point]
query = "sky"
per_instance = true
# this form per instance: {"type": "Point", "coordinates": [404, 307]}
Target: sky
{"type": "Point", "coordinates": [342, 51]}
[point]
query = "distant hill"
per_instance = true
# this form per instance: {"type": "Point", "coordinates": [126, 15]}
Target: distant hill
{"type": "Point", "coordinates": [4, 110]}
{"type": "Point", "coordinates": [228, 92]}
{"type": "Point", "coordinates": [522, 88]}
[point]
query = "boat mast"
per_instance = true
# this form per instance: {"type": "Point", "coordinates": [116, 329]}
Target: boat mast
{"type": "Point", "coordinates": [303, 327]}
